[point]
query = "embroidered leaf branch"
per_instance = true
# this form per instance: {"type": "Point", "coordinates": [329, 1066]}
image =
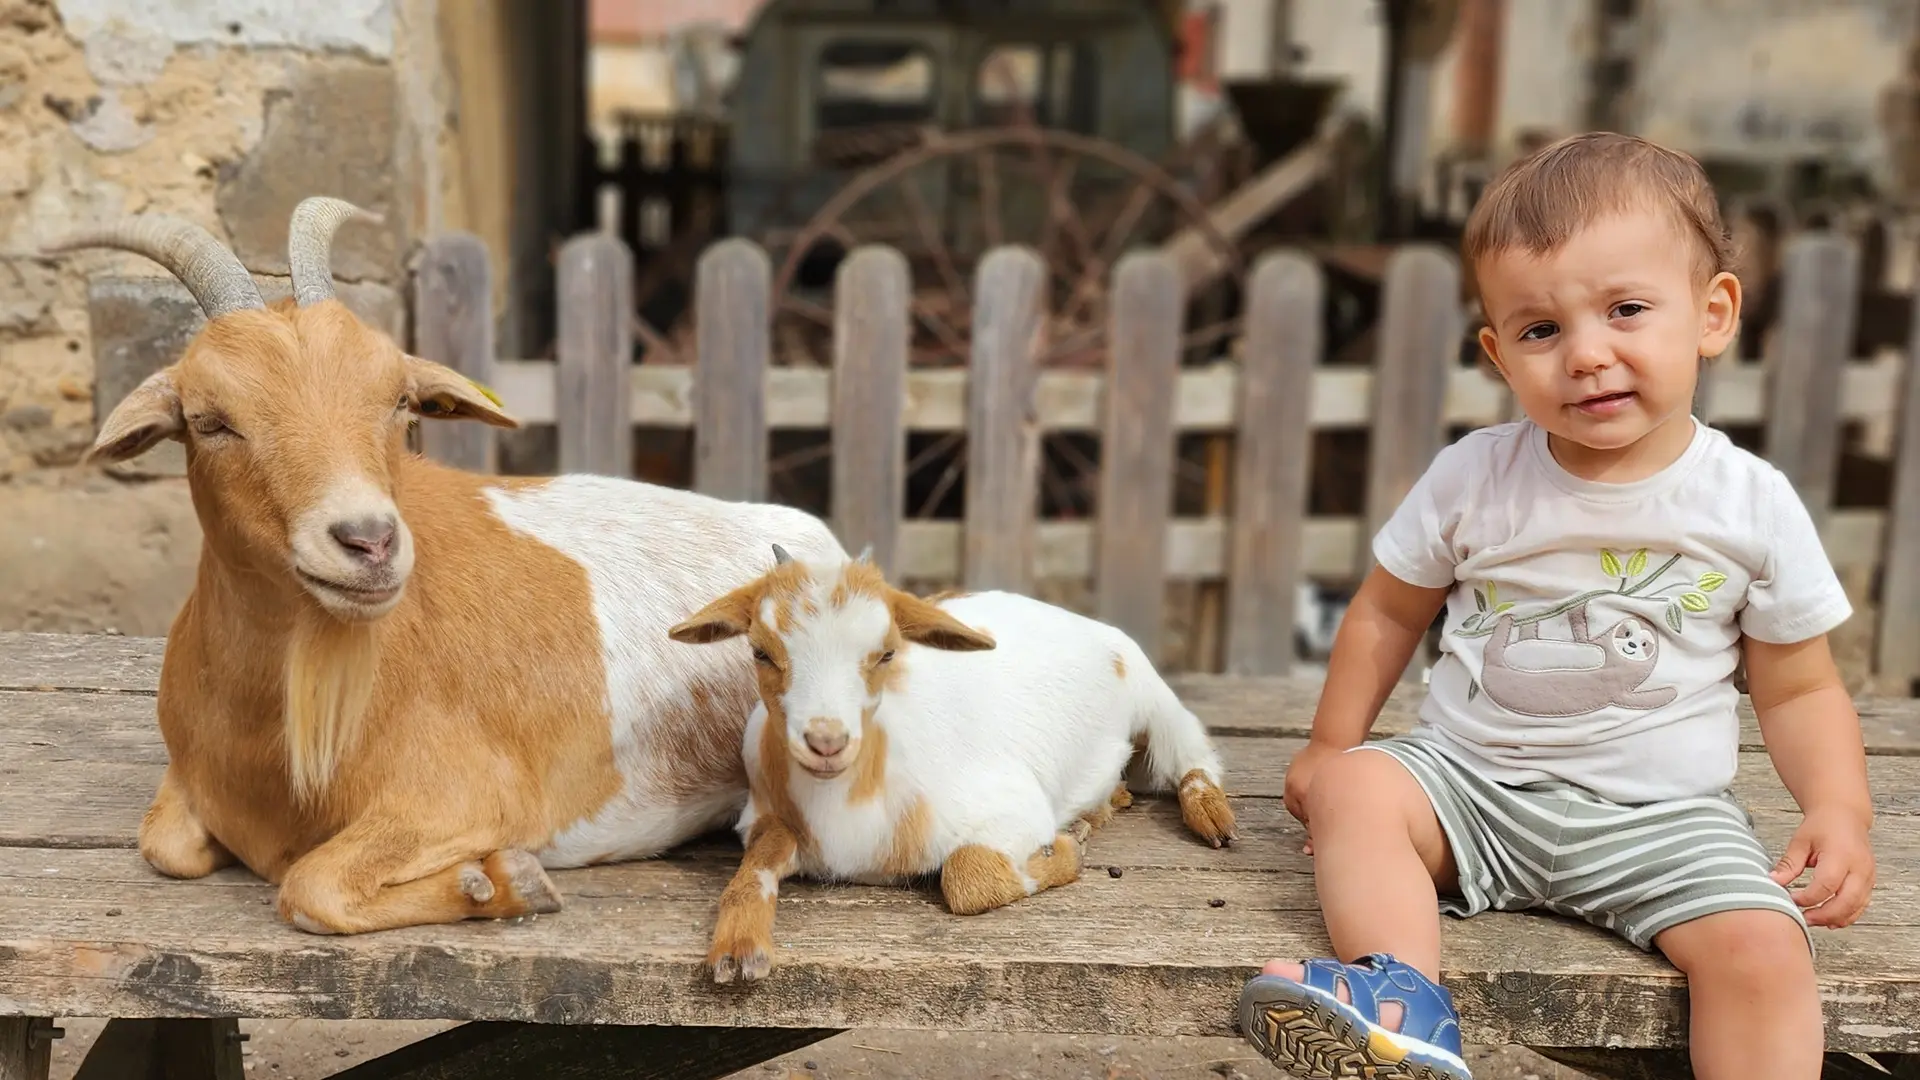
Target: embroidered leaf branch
{"type": "Point", "coordinates": [1632, 584]}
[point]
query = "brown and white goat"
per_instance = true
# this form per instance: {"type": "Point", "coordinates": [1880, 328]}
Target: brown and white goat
{"type": "Point", "coordinates": [397, 689]}
{"type": "Point", "coordinates": [982, 737]}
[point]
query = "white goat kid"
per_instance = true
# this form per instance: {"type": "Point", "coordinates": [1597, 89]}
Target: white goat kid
{"type": "Point", "coordinates": [982, 736]}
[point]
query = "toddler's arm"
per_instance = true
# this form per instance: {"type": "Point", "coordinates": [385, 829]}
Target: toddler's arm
{"type": "Point", "coordinates": [1377, 636]}
{"type": "Point", "coordinates": [1813, 737]}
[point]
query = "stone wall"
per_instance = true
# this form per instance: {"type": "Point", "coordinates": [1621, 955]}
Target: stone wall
{"type": "Point", "coordinates": [226, 112]}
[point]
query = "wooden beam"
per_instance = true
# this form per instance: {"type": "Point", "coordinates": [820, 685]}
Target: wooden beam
{"type": "Point", "coordinates": [182, 1048]}
{"type": "Point", "coordinates": [1206, 398]}
{"type": "Point", "coordinates": [509, 1051]}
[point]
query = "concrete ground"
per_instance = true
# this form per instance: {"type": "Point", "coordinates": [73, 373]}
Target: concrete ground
{"type": "Point", "coordinates": [313, 1049]}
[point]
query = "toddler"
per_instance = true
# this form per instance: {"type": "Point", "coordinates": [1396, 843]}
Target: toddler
{"type": "Point", "coordinates": [1605, 563]}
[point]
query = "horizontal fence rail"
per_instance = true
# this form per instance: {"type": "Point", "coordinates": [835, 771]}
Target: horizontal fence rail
{"type": "Point", "coordinates": [1270, 392]}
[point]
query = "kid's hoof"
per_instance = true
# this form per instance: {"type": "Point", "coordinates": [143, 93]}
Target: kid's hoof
{"type": "Point", "coordinates": [751, 964]}
{"type": "Point", "coordinates": [1204, 807]}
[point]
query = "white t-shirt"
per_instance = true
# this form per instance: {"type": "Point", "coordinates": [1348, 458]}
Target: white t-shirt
{"type": "Point", "coordinates": [1594, 628]}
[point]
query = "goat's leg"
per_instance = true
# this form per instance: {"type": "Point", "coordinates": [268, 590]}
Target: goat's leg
{"type": "Point", "coordinates": [743, 935]}
{"type": "Point", "coordinates": [1097, 818]}
{"type": "Point", "coordinates": [173, 839]}
{"type": "Point", "coordinates": [977, 878]}
{"type": "Point", "coordinates": [375, 875]}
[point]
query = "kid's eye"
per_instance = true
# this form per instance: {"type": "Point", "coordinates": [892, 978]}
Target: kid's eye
{"type": "Point", "coordinates": [886, 656]}
{"type": "Point", "coordinates": [1629, 309]}
{"type": "Point", "coordinates": [760, 656]}
{"type": "Point", "coordinates": [1538, 332]}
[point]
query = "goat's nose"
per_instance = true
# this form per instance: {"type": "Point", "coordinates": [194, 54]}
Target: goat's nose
{"type": "Point", "coordinates": [826, 737]}
{"type": "Point", "coordinates": [369, 539]}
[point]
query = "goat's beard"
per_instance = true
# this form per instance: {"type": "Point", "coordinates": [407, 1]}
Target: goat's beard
{"type": "Point", "coordinates": [330, 673]}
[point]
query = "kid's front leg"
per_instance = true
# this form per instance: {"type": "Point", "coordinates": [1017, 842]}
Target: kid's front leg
{"type": "Point", "coordinates": [743, 935]}
{"type": "Point", "coordinates": [977, 878]}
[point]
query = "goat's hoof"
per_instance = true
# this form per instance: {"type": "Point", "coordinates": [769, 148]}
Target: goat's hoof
{"type": "Point", "coordinates": [521, 872]}
{"type": "Point", "coordinates": [1081, 831]}
{"type": "Point", "coordinates": [474, 882]}
{"type": "Point", "coordinates": [750, 964]}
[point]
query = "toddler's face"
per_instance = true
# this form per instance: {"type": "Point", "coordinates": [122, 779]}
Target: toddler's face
{"type": "Point", "coordinates": [1600, 340]}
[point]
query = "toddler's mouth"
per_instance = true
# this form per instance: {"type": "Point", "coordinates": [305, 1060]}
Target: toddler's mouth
{"type": "Point", "coordinates": [1605, 404]}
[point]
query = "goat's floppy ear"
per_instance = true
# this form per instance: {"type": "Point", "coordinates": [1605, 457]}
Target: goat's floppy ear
{"type": "Point", "coordinates": [147, 415]}
{"type": "Point", "coordinates": [924, 624]}
{"type": "Point", "coordinates": [729, 616]}
{"type": "Point", "coordinates": [444, 394]}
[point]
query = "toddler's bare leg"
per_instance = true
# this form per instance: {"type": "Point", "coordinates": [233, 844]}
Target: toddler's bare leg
{"type": "Point", "coordinates": [1379, 856]}
{"type": "Point", "coordinates": [1755, 1003]}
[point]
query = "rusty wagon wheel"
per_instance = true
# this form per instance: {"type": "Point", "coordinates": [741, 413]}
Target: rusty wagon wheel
{"type": "Point", "coordinates": [1080, 202]}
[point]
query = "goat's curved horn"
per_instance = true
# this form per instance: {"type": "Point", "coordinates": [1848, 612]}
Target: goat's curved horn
{"type": "Point", "coordinates": [310, 244]}
{"type": "Point", "coordinates": [780, 555]}
{"type": "Point", "coordinates": [203, 264]}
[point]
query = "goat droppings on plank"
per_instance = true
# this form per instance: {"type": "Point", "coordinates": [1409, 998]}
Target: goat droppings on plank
{"type": "Point", "coordinates": [982, 737]}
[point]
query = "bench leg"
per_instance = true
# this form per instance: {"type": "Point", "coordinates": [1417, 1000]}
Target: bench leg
{"type": "Point", "coordinates": [26, 1047]}
{"type": "Point", "coordinates": [166, 1049]}
{"type": "Point", "coordinates": [493, 1050]}
{"type": "Point", "coordinates": [1638, 1064]}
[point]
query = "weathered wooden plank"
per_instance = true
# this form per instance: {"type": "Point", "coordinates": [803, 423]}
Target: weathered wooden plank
{"type": "Point", "coordinates": [1207, 399]}
{"type": "Point", "coordinates": [870, 338]}
{"type": "Point", "coordinates": [1122, 955]}
{"type": "Point", "coordinates": [1003, 443]}
{"type": "Point", "coordinates": [176, 1048]}
{"type": "Point", "coordinates": [1271, 468]}
{"type": "Point", "coordinates": [80, 661]}
{"type": "Point", "coordinates": [26, 1051]}
{"type": "Point", "coordinates": [1419, 341]}
{"type": "Point", "coordinates": [594, 356]}
{"type": "Point", "coordinates": [1136, 447]}
{"type": "Point", "coordinates": [488, 1050]}
{"type": "Point", "coordinates": [1897, 644]}
{"type": "Point", "coordinates": [733, 331]}
{"type": "Point", "coordinates": [1820, 273]}
{"type": "Point", "coordinates": [453, 313]}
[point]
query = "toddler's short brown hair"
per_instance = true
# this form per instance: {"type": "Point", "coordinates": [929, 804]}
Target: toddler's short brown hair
{"type": "Point", "coordinates": [1542, 199]}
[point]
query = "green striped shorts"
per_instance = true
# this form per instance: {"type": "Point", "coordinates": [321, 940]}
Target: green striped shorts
{"type": "Point", "coordinates": [1633, 870]}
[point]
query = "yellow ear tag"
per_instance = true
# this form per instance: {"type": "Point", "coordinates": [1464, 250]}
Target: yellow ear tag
{"type": "Point", "coordinates": [487, 390]}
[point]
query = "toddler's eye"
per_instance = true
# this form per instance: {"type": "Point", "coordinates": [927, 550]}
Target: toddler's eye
{"type": "Point", "coordinates": [1538, 332]}
{"type": "Point", "coordinates": [1629, 309]}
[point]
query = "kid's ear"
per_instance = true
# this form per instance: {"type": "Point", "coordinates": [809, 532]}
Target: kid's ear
{"type": "Point", "coordinates": [1490, 344]}
{"type": "Point", "coordinates": [924, 624]}
{"type": "Point", "coordinates": [729, 616]}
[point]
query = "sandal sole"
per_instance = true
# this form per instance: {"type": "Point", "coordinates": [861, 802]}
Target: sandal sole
{"type": "Point", "coordinates": [1311, 1039]}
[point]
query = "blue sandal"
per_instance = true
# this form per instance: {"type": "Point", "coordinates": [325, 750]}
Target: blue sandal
{"type": "Point", "coordinates": [1307, 1030]}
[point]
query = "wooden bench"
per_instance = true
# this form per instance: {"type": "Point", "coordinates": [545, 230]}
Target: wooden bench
{"type": "Point", "coordinates": [1155, 939]}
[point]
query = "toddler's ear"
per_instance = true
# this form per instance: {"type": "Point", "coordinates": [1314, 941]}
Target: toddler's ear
{"type": "Point", "coordinates": [1721, 315]}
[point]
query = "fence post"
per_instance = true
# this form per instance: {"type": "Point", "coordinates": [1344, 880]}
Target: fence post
{"type": "Point", "coordinates": [1003, 430]}
{"type": "Point", "coordinates": [593, 394]}
{"type": "Point", "coordinates": [1275, 447]}
{"type": "Point", "coordinates": [453, 325]}
{"type": "Point", "coordinates": [870, 331]}
{"type": "Point", "coordinates": [1819, 283]}
{"type": "Point", "coordinates": [733, 329]}
{"type": "Point", "coordinates": [1419, 347]}
{"type": "Point", "coordinates": [1897, 645]}
{"type": "Point", "coordinates": [1148, 313]}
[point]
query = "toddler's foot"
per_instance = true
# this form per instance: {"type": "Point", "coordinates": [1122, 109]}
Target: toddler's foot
{"type": "Point", "coordinates": [1376, 1017]}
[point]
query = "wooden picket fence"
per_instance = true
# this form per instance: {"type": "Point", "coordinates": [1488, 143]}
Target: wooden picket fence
{"type": "Point", "coordinates": [1272, 396]}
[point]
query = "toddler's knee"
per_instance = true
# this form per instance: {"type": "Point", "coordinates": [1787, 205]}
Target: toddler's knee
{"type": "Point", "coordinates": [1758, 948]}
{"type": "Point", "coordinates": [1361, 782]}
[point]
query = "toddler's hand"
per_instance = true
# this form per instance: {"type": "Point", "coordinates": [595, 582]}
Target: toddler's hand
{"type": "Point", "coordinates": [1300, 772]}
{"type": "Point", "coordinates": [1835, 845]}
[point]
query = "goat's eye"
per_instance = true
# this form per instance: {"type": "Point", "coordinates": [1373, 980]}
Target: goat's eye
{"type": "Point", "coordinates": [209, 424]}
{"type": "Point", "coordinates": [760, 656]}
{"type": "Point", "coordinates": [886, 656]}
{"type": "Point", "coordinates": [402, 403]}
